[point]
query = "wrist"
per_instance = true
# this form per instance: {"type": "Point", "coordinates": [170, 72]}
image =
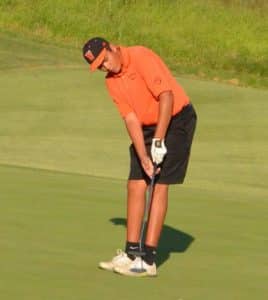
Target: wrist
{"type": "Point", "coordinates": [157, 142]}
{"type": "Point", "coordinates": [144, 159]}
{"type": "Point", "coordinates": [145, 162]}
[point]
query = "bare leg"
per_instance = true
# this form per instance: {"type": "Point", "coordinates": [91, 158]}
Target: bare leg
{"type": "Point", "coordinates": [135, 208]}
{"type": "Point", "coordinates": [157, 214]}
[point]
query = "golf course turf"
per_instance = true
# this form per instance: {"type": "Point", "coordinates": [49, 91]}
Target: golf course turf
{"type": "Point", "coordinates": [63, 165]}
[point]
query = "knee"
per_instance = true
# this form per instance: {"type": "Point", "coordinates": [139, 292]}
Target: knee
{"type": "Point", "coordinates": [136, 185]}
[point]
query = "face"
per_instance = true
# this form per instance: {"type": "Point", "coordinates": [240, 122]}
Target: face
{"type": "Point", "coordinates": [112, 61]}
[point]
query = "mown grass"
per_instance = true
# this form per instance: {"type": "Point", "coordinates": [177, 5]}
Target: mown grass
{"type": "Point", "coordinates": [221, 40]}
{"type": "Point", "coordinates": [63, 164]}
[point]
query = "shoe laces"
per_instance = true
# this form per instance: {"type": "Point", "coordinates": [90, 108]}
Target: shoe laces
{"type": "Point", "coordinates": [119, 254]}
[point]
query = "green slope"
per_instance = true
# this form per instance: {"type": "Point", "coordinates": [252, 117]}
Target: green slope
{"type": "Point", "coordinates": [55, 228]}
{"type": "Point", "coordinates": [56, 224]}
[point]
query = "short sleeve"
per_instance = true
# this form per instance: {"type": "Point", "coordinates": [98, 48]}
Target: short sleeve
{"type": "Point", "coordinates": [153, 71]}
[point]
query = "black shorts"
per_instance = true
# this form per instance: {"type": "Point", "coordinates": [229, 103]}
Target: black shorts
{"type": "Point", "coordinates": [178, 141]}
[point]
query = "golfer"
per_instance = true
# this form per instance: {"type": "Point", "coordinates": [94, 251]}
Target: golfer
{"type": "Point", "coordinates": [160, 121]}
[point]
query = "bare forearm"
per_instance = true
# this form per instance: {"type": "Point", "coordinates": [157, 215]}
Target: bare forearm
{"type": "Point", "coordinates": [164, 114]}
{"type": "Point", "coordinates": [135, 132]}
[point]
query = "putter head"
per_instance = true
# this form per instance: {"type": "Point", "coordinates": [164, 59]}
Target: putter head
{"type": "Point", "coordinates": [138, 270]}
{"type": "Point", "coordinates": [137, 253]}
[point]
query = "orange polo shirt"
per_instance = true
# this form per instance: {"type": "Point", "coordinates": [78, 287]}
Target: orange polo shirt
{"type": "Point", "coordinates": [142, 79]}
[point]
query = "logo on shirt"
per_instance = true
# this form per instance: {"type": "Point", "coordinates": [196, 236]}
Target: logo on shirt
{"type": "Point", "coordinates": [132, 76]}
{"type": "Point", "coordinates": [157, 80]}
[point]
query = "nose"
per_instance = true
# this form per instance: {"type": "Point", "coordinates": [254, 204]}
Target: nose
{"type": "Point", "coordinates": [106, 65]}
{"type": "Point", "coordinates": [103, 68]}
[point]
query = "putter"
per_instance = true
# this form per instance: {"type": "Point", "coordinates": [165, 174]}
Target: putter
{"type": "Point", "coordinates": [140, 252]}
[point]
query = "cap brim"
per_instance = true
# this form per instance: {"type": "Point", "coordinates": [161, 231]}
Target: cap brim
{"type": "Point", "coordinates": [98, 61]}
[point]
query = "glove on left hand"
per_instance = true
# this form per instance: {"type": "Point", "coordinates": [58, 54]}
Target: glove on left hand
{"type": "Point", "coordinates": [158, 150]}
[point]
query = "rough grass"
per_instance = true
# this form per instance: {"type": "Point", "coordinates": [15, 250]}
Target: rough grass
{"type": "Point", "coordinates": [221, 40]}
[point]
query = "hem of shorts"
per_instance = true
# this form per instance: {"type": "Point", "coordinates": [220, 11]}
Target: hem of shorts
{"type": "Point", "coordinates": [168, 182]}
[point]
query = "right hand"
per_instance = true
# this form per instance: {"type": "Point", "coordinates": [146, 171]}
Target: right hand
{"type": "Point", "coordinates": [148, 166]}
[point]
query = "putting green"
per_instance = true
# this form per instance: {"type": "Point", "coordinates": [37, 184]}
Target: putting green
{"type": "Point", "coordinates": [63, 164]}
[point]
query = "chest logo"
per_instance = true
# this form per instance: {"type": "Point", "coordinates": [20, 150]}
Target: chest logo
{"type": "Point", "coordinates": [132, 76]}
{"type": "Point", "coordinates": [157, 80]}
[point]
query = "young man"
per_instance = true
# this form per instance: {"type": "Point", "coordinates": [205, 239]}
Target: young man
{"type": "Point", "coordinates": [160, 122]}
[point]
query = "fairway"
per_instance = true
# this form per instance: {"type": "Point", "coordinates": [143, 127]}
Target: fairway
{"type": "Point", "coordinates": [63, 164]}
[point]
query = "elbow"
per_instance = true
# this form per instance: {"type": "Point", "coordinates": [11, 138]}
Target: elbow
{"type": "Point", "coordinates": [130, 118]}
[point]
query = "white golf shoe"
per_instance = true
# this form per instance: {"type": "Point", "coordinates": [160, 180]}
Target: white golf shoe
{"type": "Point", "coordinates": [137, 268]}
{"type": "Point", "coordinates": [120, 260]}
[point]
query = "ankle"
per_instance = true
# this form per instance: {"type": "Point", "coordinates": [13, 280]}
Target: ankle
{"type": "Point", "coordinates": [150, 254]}
{"type": "Point", "coordinates": [130, 247]}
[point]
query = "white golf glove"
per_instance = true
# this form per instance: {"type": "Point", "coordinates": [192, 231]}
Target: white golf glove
{"type": "Point", "coordinates": [158, 150]}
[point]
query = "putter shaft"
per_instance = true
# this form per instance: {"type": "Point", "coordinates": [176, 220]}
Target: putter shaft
{"type": "Point", "coordinates": [146, 215]}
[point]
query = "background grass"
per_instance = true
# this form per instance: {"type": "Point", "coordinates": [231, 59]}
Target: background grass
{"type": "Point", "coordinates": [63, 164]}
{"type": "Point", "coordinates": [63, 158]}
{"type": "Point", "coordinates": [220, 40]}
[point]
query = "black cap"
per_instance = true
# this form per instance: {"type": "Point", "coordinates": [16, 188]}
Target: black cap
{"type": "Point", "coordinates": [94, 51]}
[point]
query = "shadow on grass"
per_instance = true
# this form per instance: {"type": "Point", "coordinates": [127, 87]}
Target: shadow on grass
{"type": "Point", "coordinates": [172, 241]}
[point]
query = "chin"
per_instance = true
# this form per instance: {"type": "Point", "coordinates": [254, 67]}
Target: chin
{"type": "Point", "coordinates": [117, 71]}
{"type": "Point", "coordinates": [114, 71]}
